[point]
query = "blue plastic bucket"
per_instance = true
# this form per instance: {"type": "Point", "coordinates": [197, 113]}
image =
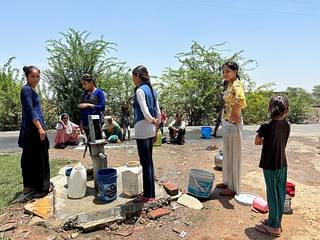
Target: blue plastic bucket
{"type": "Point", "coordinates": [200, 183]}
{"type": "Point", "coordinates": [206, 132]}
{"type": "Point", "coordinates": [107, 184]}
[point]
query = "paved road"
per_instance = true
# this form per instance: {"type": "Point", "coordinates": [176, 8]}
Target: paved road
{"type": "Point", "coordinates": [8, 140]}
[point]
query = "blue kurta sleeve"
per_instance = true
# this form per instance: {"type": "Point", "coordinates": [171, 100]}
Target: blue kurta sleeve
{"type": "Point", "coordinates": [81, 115]}
{"type": "Point", "coordinates": [28, 105]}
{"type": "Point", "coordinates": [101, 106]}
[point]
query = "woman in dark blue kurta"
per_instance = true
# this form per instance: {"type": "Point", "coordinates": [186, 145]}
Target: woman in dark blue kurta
{"type": "Point", "coordinates": [33, 139]}
{"type": "Point", "coordinates": [92, 102]}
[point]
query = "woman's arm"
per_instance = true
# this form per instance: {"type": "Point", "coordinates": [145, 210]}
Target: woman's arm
{"type": "Point", "coordinates": [235, 116]}
{"type": "Point", "coordinates": [28, 106]}
{"type": "Point", "coordinates": [260, 135]}
{"type": "Point", "coordinates": [27, 103]}
{"type": "Point", "coordinates": [101, 105]}
{"type": "Point", "coordinates": [239, 102]}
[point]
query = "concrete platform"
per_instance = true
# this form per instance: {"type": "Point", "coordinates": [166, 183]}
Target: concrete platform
{"type": "Point", "coordinates": [90, 209]}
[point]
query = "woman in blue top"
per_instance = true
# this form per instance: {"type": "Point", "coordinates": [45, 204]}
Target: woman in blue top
{"type": "Point", "coordinates": [92, 102]}
{"type": "Point", "coordinates": [33, 138]}
{"type": "Point", "coordinates": [146, 125]}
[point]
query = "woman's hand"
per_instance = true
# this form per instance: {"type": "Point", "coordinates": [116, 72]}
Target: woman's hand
{"type": "Point", "coordinates": [156, 122]}
{"type": "Point", "coordinates": [258, 140]}
{"type": "Point", "coordinates": [63, 124]}
{"type": "Point", "coordinates": [81, 128]}
{"type": "Point", "coordinates": [42, 134]}
{"type": "Point", "coordinates": [86, 105]}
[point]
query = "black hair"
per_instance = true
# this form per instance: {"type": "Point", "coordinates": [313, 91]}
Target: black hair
{"type": "Point", "coordinates": [28, 69]}
{"type": "Point", "coordinates": [179, 115]}
{"type": "Point", "coordinates": [88, 78]}
{"type": "Point", "coordinates": [278, 105]}
{"type": "Point", "coordinates": [225, 85]}
{"type": "Point", "coordinates": [142, 72]}
{"type": "Point", "coordinates": [233, 66]}
{"type": "Point", "coordinates": [64, 115]}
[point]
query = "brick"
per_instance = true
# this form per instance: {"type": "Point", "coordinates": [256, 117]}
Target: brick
{"type": "Point", "coordinates": [171, 188]}
{"type": "Point", "coordinates": [154, 214]}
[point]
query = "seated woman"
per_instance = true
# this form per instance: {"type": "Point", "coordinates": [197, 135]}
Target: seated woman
{"type": "Point", "coordinates": [177, 130]}
{"type": "Point", "coordinates": [125, 121]}
{"type": "Point", "coordinates": [112, 130]}
{"type": "Point", "coordinates": [67, 132]}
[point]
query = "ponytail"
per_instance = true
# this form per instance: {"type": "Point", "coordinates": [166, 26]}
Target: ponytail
{"type": "Point", "coordinates": [142, 72]}
{"type": "Point", "coordinates": [278, 105]}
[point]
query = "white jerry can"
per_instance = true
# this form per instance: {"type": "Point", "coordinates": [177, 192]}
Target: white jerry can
{"type": "Point", "coordinates": [78, 182]}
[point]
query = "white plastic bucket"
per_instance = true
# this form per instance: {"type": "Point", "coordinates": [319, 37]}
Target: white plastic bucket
{"type": "Point", "coordinates": [200, 183]}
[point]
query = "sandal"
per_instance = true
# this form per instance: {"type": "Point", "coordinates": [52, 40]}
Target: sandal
{"type": "Point", "coordinates": [227, 193]}
{"type": "Point", "coordinates": [221, 186]}
{"type": "Point", "coordinates": [265, 222]}
{"type": "Point", "coordinates": [267, 230]}
{"type": "Point", "coordinates": [142, 199]}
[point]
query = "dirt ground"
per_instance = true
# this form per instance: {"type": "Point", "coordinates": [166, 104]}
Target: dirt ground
{"type": "Point", "coordinates": [221, 218]}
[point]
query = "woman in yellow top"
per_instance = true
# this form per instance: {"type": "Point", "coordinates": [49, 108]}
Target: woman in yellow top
{"type": "Point", "coordinates": [234, 100]}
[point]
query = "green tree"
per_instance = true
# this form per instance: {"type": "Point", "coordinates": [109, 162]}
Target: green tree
{"type": "Point", "coordinates": [300, 101]}
{"type": "Point", "coordinates": [69, 58]}
{"type": "Point", "coordinates": [195, 88]}
{"type": "Point", "coordinates": [119, 87]}
{"type": "Point", "coordinates": [316, 94]}
{"type": "Point", "coordinates": [10, 109]}
{"type": "Point", "coordinates": [257, 104]}
{"type": "Point", "coordinates": [48, 105]}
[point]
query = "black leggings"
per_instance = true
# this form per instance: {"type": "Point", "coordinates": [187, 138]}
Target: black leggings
{"type": "Point", "coordinates": [145, 155]}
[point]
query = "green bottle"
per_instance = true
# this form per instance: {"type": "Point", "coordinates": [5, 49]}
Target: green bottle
{"type": "Point", "coordinates": [159, 139]}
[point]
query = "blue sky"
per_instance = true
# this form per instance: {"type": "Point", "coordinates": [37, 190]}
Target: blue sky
{"type": "Point", "coordinates": [282, 35]}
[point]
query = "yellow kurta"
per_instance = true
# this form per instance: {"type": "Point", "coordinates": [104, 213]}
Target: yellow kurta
{"type": "Point", "coordinates": [233, 96]}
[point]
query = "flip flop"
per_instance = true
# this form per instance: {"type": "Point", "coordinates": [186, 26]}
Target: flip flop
{"type": "Point", "coordinates": [265, 222]}
{"type": "Point", "coordinates": [265, 230]}
{"type": "Point", "coordinates": [221, 186]}
{"type": "Point", "coordinates": [227, 193]}
{"type": "Point", "coordinates": [142, 199]}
